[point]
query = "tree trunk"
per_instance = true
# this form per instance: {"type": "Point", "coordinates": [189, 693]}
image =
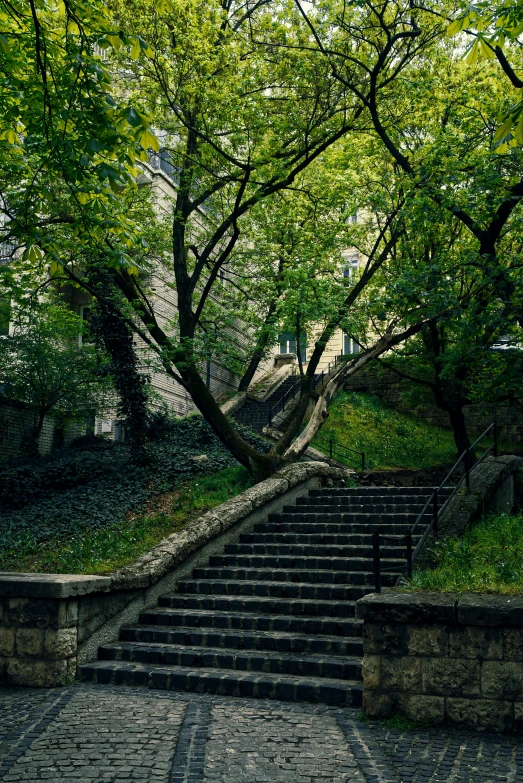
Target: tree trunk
{"type": "Point", "coordinates": [30, 440]}
{"type": "Point", "coordinates": [321, 409]}
{"type": "Point", "coordinates": [261, 465]}
{"type": "Point", "coordinates": [259, 350]}
{"type": "Point", "coordinates": [459, 430]}
{"type": "Point", "coordinates": [265, 334]}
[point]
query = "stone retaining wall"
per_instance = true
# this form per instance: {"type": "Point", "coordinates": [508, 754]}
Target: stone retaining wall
{"type": "Point", "coordinates": [49, 623]}
{"type": "Point", "coordinates": [406, 396]}
{"type": "Point", "coordinates": [443, 659]}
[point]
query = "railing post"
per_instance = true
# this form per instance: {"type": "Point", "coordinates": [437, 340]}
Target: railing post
{"type": "Point", "coordinates": [409, 555]}
{"type": "Point", "coordinates": [435, 510]}
{"type": "Point", "coordinates": [467, 468]}
{"type": "Point", "coordinates": [330, 448]}
{"type": "Point", "coordinates": [376, 560]}
{"type": "Point", "coordinates": [495, 438]}
{"type": "Point", "coordinates": [363, 460]}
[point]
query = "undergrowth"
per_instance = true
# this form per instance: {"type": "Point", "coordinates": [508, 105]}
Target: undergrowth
{"type": "Point", "coordinates": [102, 551]}
{"type": "Point", "coordinates": [87, 495]}
{"type": "Point", "coordinates": [487, 558]}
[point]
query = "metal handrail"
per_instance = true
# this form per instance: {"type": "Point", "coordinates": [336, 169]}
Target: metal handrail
{"type": "Point", "coordinates": [334, 445]}
{"type": "Point", "coordinates": [433, 501]}
{"type": "Point", "coordinates": [294, 389]}
{"type": "Point", "coordinates": [437, 511]}
{"type": "Point", "coordinates": [282, 402]}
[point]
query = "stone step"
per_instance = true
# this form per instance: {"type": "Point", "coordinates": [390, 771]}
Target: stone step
{"type": "Point", "coordinates": [328, 515]}
{"type": "Point", "coordinates": [356, 501]}
{"type": "Point", "coordinates": [400, 528]}
{"type": "Point", "coordinates": [368, 491]}
{"type": "Point", "coordinates": [295, 664]}
{"type": "Point", "coordinates": [231, 603]}
{"type": "Point", "coordinates": [225, 682]}
{"type": "Point", "coordinates": [193, 618]}
{"type": "Point", "coordinates": [314, 550]}
{"type": "Point", "coordinates": [295, 575]}
{"type": "Point", "coordinates": [293, 562]}
{"type": "Point", "coordinates": [280, 641]}
{"type": "Point", "coordinates": [321, 539]}
{"type": "Point", "coordinates": [356, 508]}
{"type": "Point", "coordinates": [303, 590]}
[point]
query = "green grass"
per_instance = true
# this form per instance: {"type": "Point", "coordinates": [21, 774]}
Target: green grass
{"type": "Point", "coordinates": [105, 550]}
{"type": "Point", "coordinates": [487, 558]}
{"type": "Point", "coordinates": [390, 439]}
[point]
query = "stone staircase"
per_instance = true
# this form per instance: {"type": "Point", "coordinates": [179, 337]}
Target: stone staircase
{"type": "Point", "coordinates": [255, 414]}
{"type": "Point", "coordinates": [274, 615]}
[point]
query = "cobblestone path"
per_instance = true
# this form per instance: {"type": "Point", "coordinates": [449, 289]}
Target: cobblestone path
{"type": "Point", "coordinates": [106, 734]}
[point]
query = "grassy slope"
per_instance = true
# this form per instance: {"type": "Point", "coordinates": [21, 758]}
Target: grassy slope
{"type": "Point", "coordinates": [487, 558]}
{"type": "Point", "coordinates": [114, 546]}
{"type": "Point", "coordinates": [390, 439]}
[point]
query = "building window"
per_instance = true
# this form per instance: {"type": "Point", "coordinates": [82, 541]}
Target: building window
{"type": "Point", "coordinates": [350, 346]}
{"type": "Point", "coordinates": [287, 344]}
{"type": "Point", "coordinates": [85, 317]}
{"type": "Point", "coordinates": [350, 266]}
{"type": "Point", "coordinates": [119, 432]}
{"type": "Point", "coordinates": [5, 317]}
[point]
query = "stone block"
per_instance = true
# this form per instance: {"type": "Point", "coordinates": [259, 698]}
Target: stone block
{"type": "Point", "coordinates": [36, 674]}
{"type": "Point", "coordinates": [370, 672]}
{"type": "Point", "coordinates": [36, 613]}
{"type": "Point", "coordinates": [422, 709]}
{"type": "Point", "coordinates": [7, 642]}
{"type": "Point", "coordinates": [51, 585]}
{"type": "Point", "coordinates": [493, 610]}
{"type": "Point", "coordinates": [401, 673]}
{"type": "Point", "coordinates": [513, 644]}
{"type": "Point", "coordinates": [476, 642]}
{"type": "Point", "coordinates": [72, 613]}
{"type": "Point", "coordinates": [385, 638]}
{"type": "Point", "coordinates": [377, 704]}
{"type": "Point", "coordinates": [72, 665]}
{"type": "Point", "coordinates": [61, 643]}
{"type": "Point", "coordinates": [480, 714]}
{"type": "Point", "coordinates": [445, 676]}
{"type": "Point", "coordinates": [411, 608]}
{"type": "Point", "coordinates": [502, 680]}
{"type": "Point", "coordinates": [428, 640]}
{"type": "Point", "coordinates": [265, 491]}
{"type": "Point", "coordinates": [29, 642]}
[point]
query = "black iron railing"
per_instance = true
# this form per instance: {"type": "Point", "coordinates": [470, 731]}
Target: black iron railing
{"type": "Point", "coordinates": [280, 405]}
{"type": "Point", "coordinates": [340, 452]}
{"type": "Point", "coordinates": [433, 508]}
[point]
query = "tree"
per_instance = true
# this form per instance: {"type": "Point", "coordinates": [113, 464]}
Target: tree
{"type": "Point", "coordinates": [247, 102]}
{"type": "Point", "coordinates": [495, 28]}
{"type": "Point", "coordinates": [43, 364]}
{"type": "Point", "coordinates": [68, 141]}
{"type": "Point", "coordinates": [220, 82]}
{"type": "Point", "coordinates": [453, 357]}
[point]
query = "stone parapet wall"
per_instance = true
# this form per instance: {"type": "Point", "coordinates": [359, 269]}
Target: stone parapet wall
{"type": "Point", "coordinates": [39, 626]}
{"type": "Point", "coordinates": [440, 658]}
{"type": "Point", "coordinates": [49, 623]}
{"type": "Point", "coordinates": [405, 396]}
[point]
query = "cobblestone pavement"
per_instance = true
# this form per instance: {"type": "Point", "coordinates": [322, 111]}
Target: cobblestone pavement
{"type": "Point", "coordinates": [103, 734]}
